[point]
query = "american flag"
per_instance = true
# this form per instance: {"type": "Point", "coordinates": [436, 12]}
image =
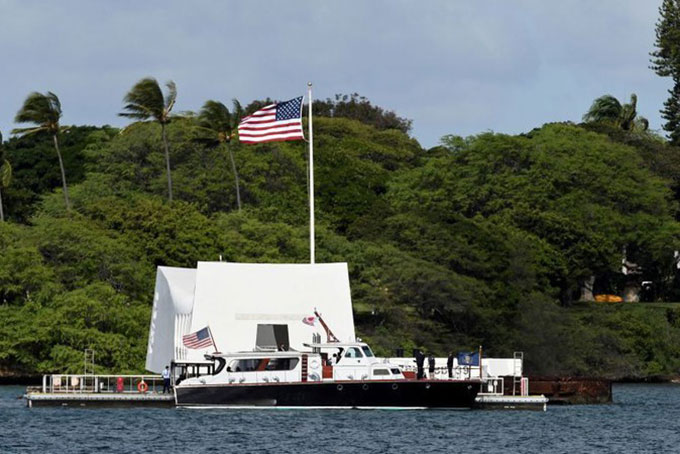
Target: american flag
{"type": "Point", "coordinates": [310, 320]}
{"type": "Point", "coordinates": [200, 339]}
{"type": "Point", "coordinates": [274, 123]}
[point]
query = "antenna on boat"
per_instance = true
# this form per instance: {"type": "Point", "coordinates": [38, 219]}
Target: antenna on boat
{"type": "Point", "coordinates": [330, 337]}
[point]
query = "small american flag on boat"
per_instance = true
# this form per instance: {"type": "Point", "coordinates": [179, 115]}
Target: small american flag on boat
{"type": "Point", "coordinates": [273, 123]}
{"type": "Point", "coordinates": [310, 320]}
{"type": "Point", "coordinates": [200, 339]}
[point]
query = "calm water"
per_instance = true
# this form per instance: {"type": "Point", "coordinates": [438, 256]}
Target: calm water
{"type": "Point", "coordinates": [643, 418]}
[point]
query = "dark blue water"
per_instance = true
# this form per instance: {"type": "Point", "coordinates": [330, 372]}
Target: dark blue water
{"type": "Point", "coordinates": [643, 418]}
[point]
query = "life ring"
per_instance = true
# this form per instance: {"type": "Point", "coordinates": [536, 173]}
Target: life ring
{"type": "Point", "coordinates": [142, 387]}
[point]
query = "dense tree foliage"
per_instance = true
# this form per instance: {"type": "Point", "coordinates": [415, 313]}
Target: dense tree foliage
{"type": "Point", "coordinates": [485, 240]}
{"type": "Point", "coordinates": [357, 107]}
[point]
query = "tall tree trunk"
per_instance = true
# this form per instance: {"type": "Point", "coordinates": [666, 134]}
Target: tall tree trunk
{"type": "Point", "coordinates": [2, 214]}
{"type": "Point", "coordinates": [63, 173]}
{"type": "Point", "coordinates": [233, 168]}
{"type": "Point", "coordinates": [167, 161]}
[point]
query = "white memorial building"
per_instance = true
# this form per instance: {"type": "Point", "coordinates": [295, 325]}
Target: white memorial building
{"type": "Point", "coordinates": [247, 307]}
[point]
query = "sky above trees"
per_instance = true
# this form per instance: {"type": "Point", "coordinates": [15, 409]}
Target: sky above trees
{"type": "Point", "coordinates": [454, 67]}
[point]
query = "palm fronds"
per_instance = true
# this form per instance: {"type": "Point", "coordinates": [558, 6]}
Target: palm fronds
{"type": "Point", "coordinates": [145, 100]}
{"type": "Point", "coordinates": [604, 108]}
{"type": "Point", "coordinates": [215, 116]}
{"type": "Point", "coordinates": [608, 109]}
{"type": "Point", "coordinates": [43, 110]}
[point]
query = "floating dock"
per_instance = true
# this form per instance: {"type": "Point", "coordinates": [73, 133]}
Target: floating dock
{"type": "Point", "coordinates": [39, 399]}
{"type": "Point", "coordinates": [495, 402]}
{"type": "Point", "coordinates": [99, 391]}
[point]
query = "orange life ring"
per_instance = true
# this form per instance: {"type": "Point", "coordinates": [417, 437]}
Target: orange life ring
{"type": "Point", "coordinates": [142, 387]}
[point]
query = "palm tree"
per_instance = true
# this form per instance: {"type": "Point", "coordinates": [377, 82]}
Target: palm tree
{"type": "Point", "coordinates": [146, 101]}
{"type": "Point", "coordinates": [216, 119]}
{"type": "Point", "coordinates": [5, 178]}
{"type": "Point", "coordinates": [608, 109]}
{"type": "Point", "coordinates": [44, 111]}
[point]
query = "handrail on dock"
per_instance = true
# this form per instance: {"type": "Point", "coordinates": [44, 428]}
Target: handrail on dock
{"type": "Point", "coordinates": [493, 386]}
{"type": "Point", "coordinates": [86, 383]}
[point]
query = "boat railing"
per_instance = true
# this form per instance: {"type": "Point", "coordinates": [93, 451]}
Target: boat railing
{"type": "Point", "coordinates": [80, 383]}
{"type": "Point", "coordinates": [492, 386]}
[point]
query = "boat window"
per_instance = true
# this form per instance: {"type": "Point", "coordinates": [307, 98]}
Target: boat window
{"type": "Point", "coordinates": [244, 365]}
{"type": "Point", "coordinates": [396, 371]}
{"type": "Point", "coordinates": [381, 372]}
{"type": "Point", "coordinates": [353, 352]}
{"type": "Point", "coordinates": [282, 364]}
{"type": "Point", "coordinates": [367, 351]}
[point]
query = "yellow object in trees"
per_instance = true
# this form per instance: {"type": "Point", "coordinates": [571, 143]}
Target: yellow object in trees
{"type": "Point", "coordinates": [608, 299]}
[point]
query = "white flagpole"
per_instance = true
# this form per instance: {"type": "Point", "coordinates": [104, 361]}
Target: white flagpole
{"type": "Point", "coordinates": [311, 177]}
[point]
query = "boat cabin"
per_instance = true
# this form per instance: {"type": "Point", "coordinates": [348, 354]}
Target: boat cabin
{"type": "Point", "coordinates": [332, 361]}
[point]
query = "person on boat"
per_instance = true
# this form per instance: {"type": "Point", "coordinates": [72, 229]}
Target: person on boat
{"type": "Point", "coordinates": [449, 364]}
{"type": "Point", "coordinates": [420, 363]}
{"type": "Point", "coordinates": [166, 379]}
{"type": "Point", "coordinates": [430, 363]}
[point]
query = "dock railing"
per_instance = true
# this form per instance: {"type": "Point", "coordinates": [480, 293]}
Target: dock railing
{"type": "Point", "coordinates": [79, 383]}
{"type": "Point", "coordinates": [492, 387]}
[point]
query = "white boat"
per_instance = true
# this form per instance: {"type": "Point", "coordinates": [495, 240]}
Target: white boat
{"type": "Point", "coordinates": [328, 375]}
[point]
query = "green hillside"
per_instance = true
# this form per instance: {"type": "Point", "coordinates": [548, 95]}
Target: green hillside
{"type": "Point", "coordinates": [485, 240]}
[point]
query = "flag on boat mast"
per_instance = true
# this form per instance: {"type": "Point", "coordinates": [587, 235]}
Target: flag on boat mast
{"type": "Point", "coordinates": [278, 122]}
{"type": "Point", "coordinates": [202, 338]}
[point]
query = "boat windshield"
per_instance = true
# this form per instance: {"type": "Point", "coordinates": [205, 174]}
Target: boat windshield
{"type": "Point", "coordinates": [367, 351]}
{"type": "Point", "coordinates": [353, 352]}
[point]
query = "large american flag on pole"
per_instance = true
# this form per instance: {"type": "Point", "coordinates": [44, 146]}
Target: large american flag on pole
{"type": "Point", "coordinates": [274, 123]}
{"type": "Point", "coordinates": [200, 339]}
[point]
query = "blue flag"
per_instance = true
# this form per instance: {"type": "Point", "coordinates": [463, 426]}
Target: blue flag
{"type": "Point", "coordinates": [468, 359]}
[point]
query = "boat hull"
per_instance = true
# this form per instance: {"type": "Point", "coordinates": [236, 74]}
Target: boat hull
{"type": "Point", "coordinates": [340, 394]}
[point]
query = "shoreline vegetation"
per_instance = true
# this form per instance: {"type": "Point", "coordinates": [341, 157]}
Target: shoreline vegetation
{"type": "Point", "coordinates": [484, 240]}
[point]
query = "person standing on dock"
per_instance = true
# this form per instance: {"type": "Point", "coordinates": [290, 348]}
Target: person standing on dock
{"type": "Point", "coordinates": [166, 379]}
{"type": "Point", "coordinates": [430, 363]}
{"type": "Point", "coordinates": [420, 364]}
{"type": "Point", "coordinates": [449, 364]}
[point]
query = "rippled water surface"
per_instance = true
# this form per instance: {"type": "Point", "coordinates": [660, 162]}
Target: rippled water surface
{"type": "Point", "coordinates": [643, 418]}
